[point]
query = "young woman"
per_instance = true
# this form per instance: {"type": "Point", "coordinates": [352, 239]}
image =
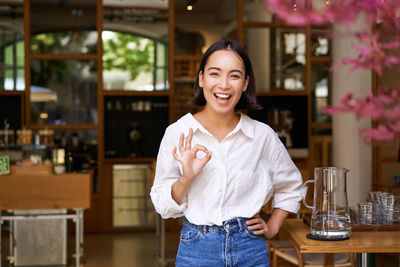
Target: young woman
{"type": "Point", "coordinates": [218, 167]}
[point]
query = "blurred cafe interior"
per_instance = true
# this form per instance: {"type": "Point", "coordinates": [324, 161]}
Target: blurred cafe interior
{"type": "Point", "coordinates": [87, 89]}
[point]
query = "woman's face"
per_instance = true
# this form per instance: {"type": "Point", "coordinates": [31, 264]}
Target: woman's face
{"type": "Point", "coordinates": [223, 81]}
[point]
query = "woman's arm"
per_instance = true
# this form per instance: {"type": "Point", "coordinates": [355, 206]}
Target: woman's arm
{"type": "Point", "coordinates": [268, 229]}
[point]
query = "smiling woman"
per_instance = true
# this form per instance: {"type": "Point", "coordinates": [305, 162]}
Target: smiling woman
{"type": "Point", "coordinates": [223, 168]}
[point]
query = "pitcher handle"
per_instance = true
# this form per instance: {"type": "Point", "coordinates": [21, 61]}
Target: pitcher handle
{"type": "Point", "coordinates": [304, 199]}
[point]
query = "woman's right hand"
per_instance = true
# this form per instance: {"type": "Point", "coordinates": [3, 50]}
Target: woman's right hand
{"type": "Point", "coordinates": [191, 165]}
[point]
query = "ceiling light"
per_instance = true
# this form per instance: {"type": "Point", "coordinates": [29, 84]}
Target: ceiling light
{"type": "Point", "coordinates": [190, 4]}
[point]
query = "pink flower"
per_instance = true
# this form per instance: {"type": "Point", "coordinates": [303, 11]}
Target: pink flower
{"type": "Point", "coordinates": [375, 54]}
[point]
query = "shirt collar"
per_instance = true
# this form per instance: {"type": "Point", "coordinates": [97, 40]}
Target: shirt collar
{"type": "Point", "coordinates": [244, 125]}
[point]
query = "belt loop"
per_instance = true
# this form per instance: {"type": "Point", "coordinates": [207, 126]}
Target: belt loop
{"type": "Point", "coordinates": [244, 226]}
{"type": "Point", "coordinates": [205, 229]}
{"type": "Point", "coordinates": [239, 221]}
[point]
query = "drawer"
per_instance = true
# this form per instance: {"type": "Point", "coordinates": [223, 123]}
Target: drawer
{"type": "Point", "coordinates": [128, 187]}
{"type": "Point", "coordinates": [128, 171]}
{"type": "Point", "coordinates": [130, 180]}
{"type": "Point", "coordinates": [129, 212]}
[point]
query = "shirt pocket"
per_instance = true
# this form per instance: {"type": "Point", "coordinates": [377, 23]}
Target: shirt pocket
{"type": "Point", "coordinates": [252, 188]}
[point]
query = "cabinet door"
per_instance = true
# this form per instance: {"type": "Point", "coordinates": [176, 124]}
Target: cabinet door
{"type": "Point", "coordinates": [129, 180]}
{"type": "Point", "coordinates": [131, 201]}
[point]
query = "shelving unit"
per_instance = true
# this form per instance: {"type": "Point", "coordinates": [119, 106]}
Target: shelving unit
{"type": "Point", "coordinates": [309, 57]}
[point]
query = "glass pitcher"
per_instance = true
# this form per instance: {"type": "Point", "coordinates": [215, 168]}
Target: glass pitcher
{"type": "Point", "coordinates": [330, 217]}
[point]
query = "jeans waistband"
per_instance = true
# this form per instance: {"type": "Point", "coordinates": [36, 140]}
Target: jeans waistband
{"type": "Point", "coordinates": [234, 224]}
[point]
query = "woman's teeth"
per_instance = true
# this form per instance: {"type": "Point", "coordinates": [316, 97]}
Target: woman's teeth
{"type": "Point", "coordinates": [223, 96]}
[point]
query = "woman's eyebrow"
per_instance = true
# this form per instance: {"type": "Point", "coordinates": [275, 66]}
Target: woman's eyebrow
{"type": "Point", "coordinates": [237, 71]}
{"type": "Point", "coordinates": [213, 68]}
{"type": "Point", "coordinates": [216, 68]}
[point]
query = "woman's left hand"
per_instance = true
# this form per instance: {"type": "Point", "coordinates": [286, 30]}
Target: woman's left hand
{"type": "Point", "coordinates": [260, 226]}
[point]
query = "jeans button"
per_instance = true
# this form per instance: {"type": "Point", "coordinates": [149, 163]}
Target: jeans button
{"type": "Point", "coordinates": [227, 225]}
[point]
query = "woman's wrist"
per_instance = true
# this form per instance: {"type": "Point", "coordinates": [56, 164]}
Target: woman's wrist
{"type": "Point", "coordinates": [180, 189]}
{"type": "Point", "coordinates": [272, 230]}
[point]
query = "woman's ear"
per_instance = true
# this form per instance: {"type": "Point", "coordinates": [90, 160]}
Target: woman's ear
{"type": "Point", "coordinates": [245, 84]}
{"type": "Point", "coordinates": [201, 79]}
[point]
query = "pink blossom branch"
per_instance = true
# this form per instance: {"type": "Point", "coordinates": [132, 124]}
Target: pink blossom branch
{"type": "Point", "coordinates": [384, 107]}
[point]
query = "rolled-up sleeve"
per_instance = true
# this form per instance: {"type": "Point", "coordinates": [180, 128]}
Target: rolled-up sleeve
{"type": "Point", "coordinates": [167, 173]}
{"type": "Point", "coordinates": [287, 184]}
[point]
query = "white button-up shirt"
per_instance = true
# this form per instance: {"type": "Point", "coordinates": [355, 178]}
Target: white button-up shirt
{"type": "Point", "coordinates": [247, 168]}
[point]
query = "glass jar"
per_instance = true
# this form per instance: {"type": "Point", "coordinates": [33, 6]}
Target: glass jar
{"type": "Point", "coordinates": [24, 137]}
{"type": "Point", "coordinates": [7, 138]}
{"type": "Point", "coordinates": [46, 137]}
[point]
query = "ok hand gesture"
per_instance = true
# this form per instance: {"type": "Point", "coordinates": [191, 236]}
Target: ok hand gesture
{"type": "Point", "coordinates": [191, 165]}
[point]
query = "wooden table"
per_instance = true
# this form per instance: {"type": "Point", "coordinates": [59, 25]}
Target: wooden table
{"type": "Point", "coordinates": [36, 190]}
{"type": "Point", "coordinates": [359, 242]}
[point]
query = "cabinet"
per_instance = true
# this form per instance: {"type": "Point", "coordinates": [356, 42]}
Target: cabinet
{"type": "Point", "coordinates": [131, 201]}
{"type": "Point", "coordinates": [293, 80]}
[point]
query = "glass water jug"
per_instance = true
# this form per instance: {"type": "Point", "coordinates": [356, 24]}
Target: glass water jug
{"type": "Point", "coordinates": [330, 219]}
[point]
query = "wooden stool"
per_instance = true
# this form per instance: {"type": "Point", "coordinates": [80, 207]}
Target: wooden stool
{"type": "Point", "coordinates": [285, 250]}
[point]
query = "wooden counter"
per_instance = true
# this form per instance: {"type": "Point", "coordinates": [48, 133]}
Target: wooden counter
{"type": "Point", "coordinates": [45, 191]}
{"type": "Point", "coordinates": [37, 188]}
{"type": "Point", "coordinates": [359, 242]}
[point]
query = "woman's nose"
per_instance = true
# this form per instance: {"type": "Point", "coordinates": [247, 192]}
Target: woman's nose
{"type": "Point", "coordinates": [224, 83]}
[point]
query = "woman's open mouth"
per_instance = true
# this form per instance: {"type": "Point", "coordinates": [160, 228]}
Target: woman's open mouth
{"type": "Point", "coordinates": [222, 97]}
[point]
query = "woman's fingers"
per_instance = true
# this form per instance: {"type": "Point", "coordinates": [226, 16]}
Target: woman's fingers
{"type": "Point", "coordinates": [254, 220]}
{"type": "Point", "coordinates": [254, 226]}
{"type": "Point", "coordinates": [181, 138]}
{"type": "Point", "coordinates": [259, 232]}
{"type": "Point", "coordinates": [188, 144]}
{"type": "Point", "coordinates": [206, 158]}
{"type": "Point", "coordinates": [198, 148]}
{"type": "Point", "coordinates": [175, 154]}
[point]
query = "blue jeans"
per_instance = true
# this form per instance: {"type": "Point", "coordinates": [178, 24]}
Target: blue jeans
{"type": "Point", "coordinates": [229, 245]}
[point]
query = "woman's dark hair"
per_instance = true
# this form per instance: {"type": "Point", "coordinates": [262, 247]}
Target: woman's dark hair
{"type": "Point", "coordinates": [248, 99]}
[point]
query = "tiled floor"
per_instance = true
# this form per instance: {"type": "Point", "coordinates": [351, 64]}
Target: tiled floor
{"type": "Point", "coordinates": [138, 249]}
{"type": "Point", "coordinates": [121, 249]}
{"type": "Point", "coordinates": [133, 249]}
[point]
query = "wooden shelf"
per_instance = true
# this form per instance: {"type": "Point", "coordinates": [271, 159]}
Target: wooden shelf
{"type": "Point", "coordinates": [135, 93]}
{"type": "Point", "coordinates": [259, 24]}
{"type": "Point", "coordinates": [63, 56]}
{"type": "Point", "coordinates": [67, 127]}
{"type": "Point", "coordinates": [11, 93]}
{"type": "Point", "coordinates": [276, 92]}
{"type": "Point", "coordinates": [129, 160]}
{"type": "Point", "coordinates": [321, 59]}
{"type": "Point", "coordinates": [321, 125]}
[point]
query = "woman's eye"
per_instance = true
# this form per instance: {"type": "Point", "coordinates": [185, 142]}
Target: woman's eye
{"type": "Point", "coordinates": [213, 74]}
{"type": "Point", "coordinates": [235, 76]}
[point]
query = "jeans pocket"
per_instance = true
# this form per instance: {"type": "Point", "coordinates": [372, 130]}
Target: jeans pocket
{"type": "Point", "coordinates": [189, 235]}
{"type": "Point", "coordinates": [250, 233]}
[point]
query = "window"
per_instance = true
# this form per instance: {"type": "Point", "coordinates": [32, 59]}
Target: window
{"type": "Point", "coordinates": [133, 62]}
{"type": "Point", "coordinates": [11, 60]}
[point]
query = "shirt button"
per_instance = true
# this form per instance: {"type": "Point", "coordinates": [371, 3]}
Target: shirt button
{"type": "Point", "coordinates": [220, 190]}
